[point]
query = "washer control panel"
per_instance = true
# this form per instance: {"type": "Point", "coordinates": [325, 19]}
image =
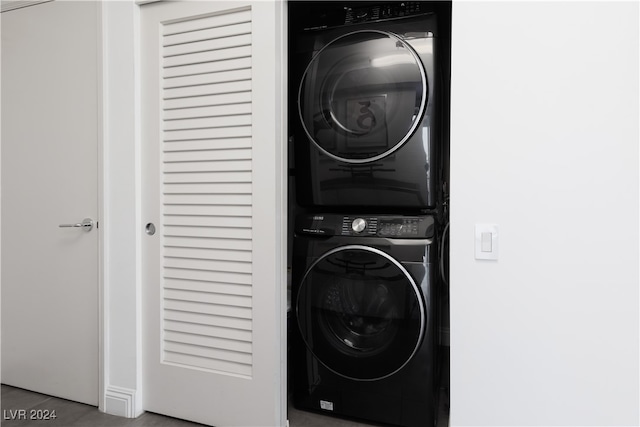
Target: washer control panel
{"type": "Point", "coordinates": [359, 226]}
{"type": "Point", "coordinates": [387, 226]}
{"type": "Point", "coordinates": [400, 227]}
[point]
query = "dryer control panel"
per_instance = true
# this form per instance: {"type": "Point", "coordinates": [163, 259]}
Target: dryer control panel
{"type": "Point", "coordinates": [383, 11]}
{"type": "Point", "coordinates": [387, 226]}
{"type": "Point", "coordinates": [322, 15]}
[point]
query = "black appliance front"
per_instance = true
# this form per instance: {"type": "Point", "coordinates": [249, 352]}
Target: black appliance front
{"type": "Point", "coordinates": [364, 309]}
{"type": "Point", "coordinates": [364, 107]}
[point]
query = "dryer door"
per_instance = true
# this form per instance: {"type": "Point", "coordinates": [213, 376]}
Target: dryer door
{"type": "Point", "coordinates": [360, 313]}
{"type": "Point", "coordinates": [363, 96]}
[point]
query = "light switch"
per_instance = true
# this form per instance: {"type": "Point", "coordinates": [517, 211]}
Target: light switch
{"type": "Point", "coordinates": [486, 241]}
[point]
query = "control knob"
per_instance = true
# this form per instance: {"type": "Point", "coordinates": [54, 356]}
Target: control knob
{"type": "Point", "coordinates": [358, 225]}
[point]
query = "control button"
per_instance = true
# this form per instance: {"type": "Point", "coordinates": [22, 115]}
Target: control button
{"type": "Point", "coordinates": [358, 225]}
{"type": "Point", "coordinates": [363, 13]}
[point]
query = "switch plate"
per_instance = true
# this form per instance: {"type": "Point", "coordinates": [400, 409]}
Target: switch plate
{"type": "Point", "coordinates": [487, 241]}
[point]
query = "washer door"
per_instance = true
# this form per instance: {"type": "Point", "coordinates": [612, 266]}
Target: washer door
{"type": "Point", "coordinates": [362, 96]}
{"type": "Point", "coordinates": [360, 313]}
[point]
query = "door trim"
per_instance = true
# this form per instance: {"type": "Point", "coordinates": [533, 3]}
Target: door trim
{"type": "Point", "coordinates": [121, 374]}
{"type": "Point", "coordinates": [101, 203]}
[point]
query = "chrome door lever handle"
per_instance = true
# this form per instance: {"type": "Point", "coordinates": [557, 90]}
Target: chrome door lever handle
{"type": "Point", "coordinates": [86, 225]}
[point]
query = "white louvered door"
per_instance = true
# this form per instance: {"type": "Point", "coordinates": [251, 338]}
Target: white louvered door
{"type": "Point", "coordinates": [212, 295]}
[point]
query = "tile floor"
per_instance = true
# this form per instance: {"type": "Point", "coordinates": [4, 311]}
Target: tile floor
{"type": "Point", "coordinates": [72, 414]}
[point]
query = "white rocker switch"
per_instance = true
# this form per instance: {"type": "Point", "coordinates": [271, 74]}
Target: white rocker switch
{"type": "Point", "coordinates": [486, 241]}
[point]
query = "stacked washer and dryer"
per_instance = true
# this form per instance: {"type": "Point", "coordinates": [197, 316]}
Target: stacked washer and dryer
{"type": "Point", "coordinates": [370, 170]}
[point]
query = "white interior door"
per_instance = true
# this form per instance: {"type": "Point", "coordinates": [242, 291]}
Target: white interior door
{"type": "Point", "coordinates": [49, 177]}
{"type": "Point", "coordinates": [213, 174]}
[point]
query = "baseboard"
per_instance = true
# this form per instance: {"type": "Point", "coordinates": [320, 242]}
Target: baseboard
{"type": "Point", "coordinates": [121, 402]}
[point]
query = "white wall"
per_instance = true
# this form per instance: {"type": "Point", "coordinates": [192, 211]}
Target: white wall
{"type": "Point", "coordinates": [544, 143]}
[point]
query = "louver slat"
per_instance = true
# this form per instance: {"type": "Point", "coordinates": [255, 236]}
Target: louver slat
{"type": "Point", "coordinates": [208, 111]}
{"type": "Point", "coordinates": [207, 122]}
{"type": "Point", "coordinates": [194, 26]}
{"type": "Point", "coordinates": [237, 59]}
{"type": "Point", "coordinates": [207, 341]}
{"type": "Point", "coordinates": [215, 32]}
{"type": "Point", "coordinates": [206, 46]}
{"type": "Point", "coordinates": [207, 265]}
{"type": "Point", "coordinates": [206, 330]}
{"type": "Point", "coordinates": [213, 166]}
{"type": "Point", "coordinates": [235, 326]}
{"type": "Point", "coordinates": [208, 221]}
{"type": "Point", "coordinates": [207, 243]}
{"type": "Point", "coordinates": [208, 155]}
{"type": "Point", "coordinates": [207, 193]}
{"type": "Point", "coordinates": [208, 100]}
{"type": "Point", "coordinates": [230, 52]}
{"type": "Point", "coordinates": [209, 297]}
{"type": "Point", "coordinates": [206, 308]}
{"type": "Point", "coordinates": [207, 210]}
{"type": "Point", "coordinates": [204, 253]}
{"type": "Point", "coordinates": [205, 188]}
{"type": "Point", "coordinates": [213, 287]}
{"type": "Point", "coordinates": [207, 363]}
{"type": "Point", "coordinates": [220, 132]}
{"type": "Point", "coordinates": [208, 78]}
{"type": "Point", "coordinates": [209, 199]}
{"type": "Point", "coordinates": [208, 144]}
{"type": "Point", "coordinates": [209, 89]}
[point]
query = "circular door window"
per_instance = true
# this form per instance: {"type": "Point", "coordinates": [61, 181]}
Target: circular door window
{"type": "Point", "coordinates": [362, 96]}
{"type": "Point", "coordinates": [360, 313]}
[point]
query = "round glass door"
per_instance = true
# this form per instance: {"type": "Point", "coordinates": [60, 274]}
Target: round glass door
{"type": "Point", "coordinates": [360, 313]}
{"type": "Point", "coordinates": [362, 96]}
